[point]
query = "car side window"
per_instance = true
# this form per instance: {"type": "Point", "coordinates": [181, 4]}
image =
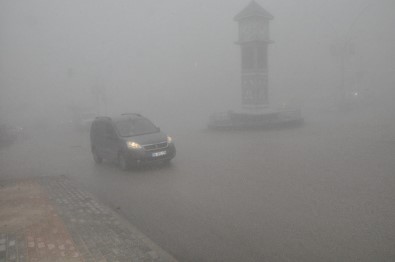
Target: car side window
{"type": "Point", "coordinates": [100, 128]}
{"type": "Point", "coordinates": [109, 129]}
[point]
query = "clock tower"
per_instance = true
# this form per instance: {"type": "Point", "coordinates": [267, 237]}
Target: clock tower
{"type": "Point", "coordinates": [254, 40]}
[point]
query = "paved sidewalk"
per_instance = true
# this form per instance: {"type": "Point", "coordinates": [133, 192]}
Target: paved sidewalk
{"type": "Point", "coordinates": [50, 219]}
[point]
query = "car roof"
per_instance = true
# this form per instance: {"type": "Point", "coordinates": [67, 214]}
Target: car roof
{"type": "Point", "coordinates": [121, 117]}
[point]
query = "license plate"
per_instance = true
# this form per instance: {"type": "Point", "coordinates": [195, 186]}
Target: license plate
{"type": "Point", "coordinates": [161, 153]}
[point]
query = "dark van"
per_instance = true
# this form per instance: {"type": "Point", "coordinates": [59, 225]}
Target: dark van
{"type": "Point", "coordinates": [130, 140]}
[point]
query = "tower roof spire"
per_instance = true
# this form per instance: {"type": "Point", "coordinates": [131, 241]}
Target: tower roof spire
{"type": "Point", "coordinates": [253, 9]}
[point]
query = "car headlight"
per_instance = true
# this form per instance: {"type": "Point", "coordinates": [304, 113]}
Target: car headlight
{"type": "Point", "coordinates": [169, 139]}
{"type": "Point", "coordinates": [133, 145]}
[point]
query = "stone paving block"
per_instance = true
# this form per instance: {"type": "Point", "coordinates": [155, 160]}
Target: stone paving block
{"type": "Point", "coordinates": [90, 231]}
{"type": "Point", "coordinates": [12, 256]}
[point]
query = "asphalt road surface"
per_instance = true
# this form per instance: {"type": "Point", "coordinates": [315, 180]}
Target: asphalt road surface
{"type": "Point", "coordinates": [321, 192]}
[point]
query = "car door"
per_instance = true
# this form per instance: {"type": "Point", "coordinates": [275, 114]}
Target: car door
{"type": "Point", "coordinates": [111, 142]}
{"type": "Point", "coordinates": [98, 133]}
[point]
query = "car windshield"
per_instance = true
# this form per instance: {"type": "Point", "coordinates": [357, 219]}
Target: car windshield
{"type": "Point", "coordinates": [135, 127]}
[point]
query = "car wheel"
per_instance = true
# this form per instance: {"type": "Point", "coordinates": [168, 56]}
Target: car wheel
{"type": "Point", "coordinates": [97, 158]}
{"type": "Point", "coordinates": [167, 162]}
{"type": "Point", "coordinates": [122, 161]}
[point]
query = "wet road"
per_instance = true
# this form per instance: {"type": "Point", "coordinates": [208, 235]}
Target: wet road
{"type": "Point", "coordinates": [321, 192]}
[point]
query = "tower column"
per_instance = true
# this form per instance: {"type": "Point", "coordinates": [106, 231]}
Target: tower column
{"type": "Point", "coordinates": [254, 41]}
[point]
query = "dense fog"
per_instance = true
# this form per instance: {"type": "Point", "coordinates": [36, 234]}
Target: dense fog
{"type": "Point", "coordinates": [178, 59]}
{"type": "Point", "coordinates": [320, 191]}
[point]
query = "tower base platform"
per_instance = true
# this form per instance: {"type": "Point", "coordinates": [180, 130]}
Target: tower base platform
{"type": "Point", "coordinates": [257, 118]}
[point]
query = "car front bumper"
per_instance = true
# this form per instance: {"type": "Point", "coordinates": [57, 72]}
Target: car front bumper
{"type": "Point", "coordinates": [141, 156]}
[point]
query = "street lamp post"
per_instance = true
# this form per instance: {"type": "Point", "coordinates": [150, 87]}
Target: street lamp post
{"type": "Point", "coordinates": [344, 49]}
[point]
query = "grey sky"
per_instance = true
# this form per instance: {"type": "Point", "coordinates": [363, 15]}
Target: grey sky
{"type": "Point", "coordinates": [179, 53]}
